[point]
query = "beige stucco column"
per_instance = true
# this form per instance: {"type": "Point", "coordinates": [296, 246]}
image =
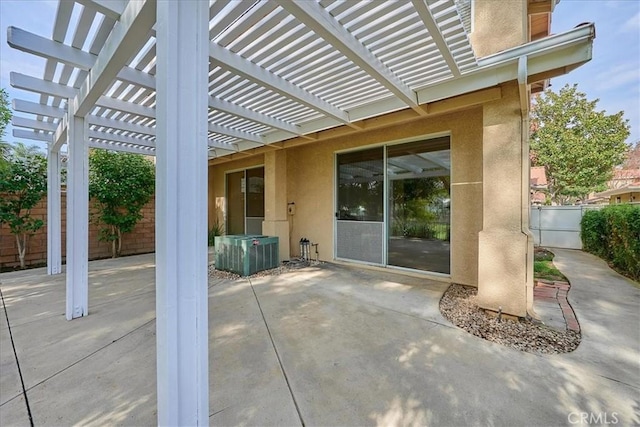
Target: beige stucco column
{"type": "Point", "coordinates": [505, 262]}
{"type": "Point", "coordinates": [275, 200]}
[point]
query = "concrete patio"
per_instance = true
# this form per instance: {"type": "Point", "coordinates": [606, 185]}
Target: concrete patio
{"type": "Point", "coordinates": [325, 345]}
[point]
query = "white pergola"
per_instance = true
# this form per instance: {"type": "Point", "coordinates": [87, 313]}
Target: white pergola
{"type": "Point", "coordinates": [187, 81]}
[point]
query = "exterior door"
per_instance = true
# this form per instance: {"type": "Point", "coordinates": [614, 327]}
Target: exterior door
{"type": "Point", "coordinates": [419, 200]}
{"type": "Point", "coordinates": [360, 206]}
{"type": "Point", "coordinates": [245, 201]}
{"type": "Point", "coordinates": [235, 202]}
{"type": "Point", "coordinates": [393, 205]}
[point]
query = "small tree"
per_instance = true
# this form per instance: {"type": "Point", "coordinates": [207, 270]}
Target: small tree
{"type": "Point", "coordinates": [632, 160]}
{"type": "Point", "coordinates": [120, 184]}
{"type": "Point", "coordinates": [577, 145]}
{"type": "Point", "coordinates": [23, 183]}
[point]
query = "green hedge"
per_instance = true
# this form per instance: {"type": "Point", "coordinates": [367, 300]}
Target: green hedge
{"type": "Point", "coordinates": [613, 233]}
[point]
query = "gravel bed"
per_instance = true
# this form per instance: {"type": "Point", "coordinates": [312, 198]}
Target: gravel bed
{"type": "Point", "coordinates": [285, 267]}
{"type": "Point", "coordinates": [458, 305]}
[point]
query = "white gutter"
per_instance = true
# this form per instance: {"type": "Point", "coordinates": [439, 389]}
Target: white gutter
{"type": "Point", "coordinates": [569, 49]}
{"type": "Point", "coordinates": [539, 47]}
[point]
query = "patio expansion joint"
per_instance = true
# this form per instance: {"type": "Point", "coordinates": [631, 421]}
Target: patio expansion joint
{"type": "Point", "coordinates": [275, 349]}
{"type": "Point", "coordinates": [82, 359]}
{"type": "Point", "coordinates": [434, 323]}
{"type": "Point", "coordinates": [15, 355]}
{"type": "Point", "coordinates": [635, 387]}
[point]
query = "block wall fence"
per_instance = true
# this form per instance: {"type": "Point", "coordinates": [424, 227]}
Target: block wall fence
{"type": "Point", "coordinates": [141, 240]}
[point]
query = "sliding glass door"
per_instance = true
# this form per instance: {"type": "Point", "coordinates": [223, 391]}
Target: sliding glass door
{"type": "Point", "coordinates": [393, 205]}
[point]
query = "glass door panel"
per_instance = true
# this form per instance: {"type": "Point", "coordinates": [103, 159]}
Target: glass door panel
{"type": "Point", "coordinates": [360, 206]}
{"type": "Point", "coordinates": [235, 202]}
{"type": "Point", "coordinates": [419, 199]}
{"type": "Point", "coordinates": [255, 200]}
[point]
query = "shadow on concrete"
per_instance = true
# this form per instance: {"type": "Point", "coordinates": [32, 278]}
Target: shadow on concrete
{"type": "Point", "coordinates": [325, 345]}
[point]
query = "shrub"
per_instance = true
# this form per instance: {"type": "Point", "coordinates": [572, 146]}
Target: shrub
{"type": "Point", "coordinates": [120, 185]}
{"type": "Point", "coordinates": [593, 232]}
{"type": "Point", "coordinates": [216, 230]}
{"type": "Point", "coordinates": [613, 233]}
{"type": "Point", "coordinates": [23, 183]}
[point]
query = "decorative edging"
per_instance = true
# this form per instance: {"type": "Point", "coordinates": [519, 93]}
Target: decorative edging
{"type": "Point", "coordinates": [558, 291]}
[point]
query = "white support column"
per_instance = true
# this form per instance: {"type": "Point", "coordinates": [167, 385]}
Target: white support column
{"type": "Point", "coordinates": [77, 218]}
{"type": "Point", "coordinates": [54, 223]}
{"type": "Point", "coordinates": [181, 213]}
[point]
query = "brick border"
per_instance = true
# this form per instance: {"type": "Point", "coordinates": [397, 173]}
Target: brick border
{"type": "Point", "coordinates": [558, 291]}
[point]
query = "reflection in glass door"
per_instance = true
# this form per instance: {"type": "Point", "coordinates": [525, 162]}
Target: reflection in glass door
{"type": "Point", "coordinates": [419, 200]}
{"type": "Point", "coordinates": [245, 201]}
{"type": "Point", "coordinates": [360, 206]}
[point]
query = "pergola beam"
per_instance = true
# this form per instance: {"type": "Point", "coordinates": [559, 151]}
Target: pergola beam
{"type": "Point", "coordinates": [38, 109]}
{"type": "Point", "coordinates": [247, 69]}
{"type": "Point", "coordinates": [102, 145]}
{"type": "Point", "coordinates": [120, 125]}
{"type": "Point", "coordinates": [46, 48]}
{"type": "Point", "coordinates": [32, 135]}
{"type": "Point", "coordinates": [33, 124]}
{"type": "Point", "coordinates": [315, 17]}
{"type": "Point", "coordinates": [254, 116]}
{"type": "Point", "coordinates": [125, 40]}
{"type": "Point", "coordinates": [126, 107]}
{"type": "Point", "coordinates": [224, 130]}
{"type": "Point", "coordinates": [121, 139]}
{"type": "Point", "coordinates": [76, 57]}
{"type": "Point", "coordinates": [436, 34]}
{"type": "Point", "coordinates": [111, 8]}
{"type": "Point", "coordinates": [33, 84]}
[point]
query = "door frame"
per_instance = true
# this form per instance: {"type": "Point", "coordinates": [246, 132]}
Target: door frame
{"type": "Point", "coordinates": [386, 222]}
{"type": "Point", "coordinates": [226, 196]}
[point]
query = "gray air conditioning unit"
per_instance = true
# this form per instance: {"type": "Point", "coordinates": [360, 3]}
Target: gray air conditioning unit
{"type": "Point", "coordinates": [246, 255]}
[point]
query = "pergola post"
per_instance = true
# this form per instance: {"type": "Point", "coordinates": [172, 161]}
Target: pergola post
{"type": "Point", "coordinates": [77, 218]}
{"type": "Point", "coordinates": [181, 212]}
{"type": "Point", "coordinates": [54, 227]}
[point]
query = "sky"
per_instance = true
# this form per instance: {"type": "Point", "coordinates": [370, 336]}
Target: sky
{"type": "Point", "coordinates": [612, 76]}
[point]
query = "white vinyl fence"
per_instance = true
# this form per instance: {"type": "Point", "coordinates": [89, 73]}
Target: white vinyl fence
{"type": "Point", "coordinates": [558, 226]}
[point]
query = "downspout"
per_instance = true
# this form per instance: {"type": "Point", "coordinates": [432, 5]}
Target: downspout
{"type": "Point", "coordinates": [523, 90]}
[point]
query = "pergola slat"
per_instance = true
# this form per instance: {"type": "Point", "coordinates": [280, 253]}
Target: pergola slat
{"type": "Point", "coordinates": [319, 20]}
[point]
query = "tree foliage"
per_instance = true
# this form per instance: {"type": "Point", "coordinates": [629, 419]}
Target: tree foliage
{"type": "Point", "coordinates": [23, 183]}
{"type": "Point", "coordinates": [5, 112]}
{"type": "Point", "coordinates": [5, 118]}
{"type": "Point", "coordinates": [120, 184]}
{"type": "Point", "coordinates": [632, 160]}
{"type": "Point", "coordinates": [577, 145]}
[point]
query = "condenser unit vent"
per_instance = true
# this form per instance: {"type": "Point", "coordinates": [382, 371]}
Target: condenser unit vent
{"type": "Point", "coordinates": [245, 254]}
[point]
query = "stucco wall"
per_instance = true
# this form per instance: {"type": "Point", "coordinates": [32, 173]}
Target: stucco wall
{"type": "Point", "coordinates": [498, 25]}
{"type": "Point", "coordinates": [310, 184]}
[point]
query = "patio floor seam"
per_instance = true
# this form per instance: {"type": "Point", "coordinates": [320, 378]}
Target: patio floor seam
{"type": "Point", "coordinates": [434, 322]}
{"type": "Point", "coordinates": [275, 349]}
{"type": "Point", "coordinates": [93, 353]}
{"type": "Point", "coordinates": [15, 355]}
